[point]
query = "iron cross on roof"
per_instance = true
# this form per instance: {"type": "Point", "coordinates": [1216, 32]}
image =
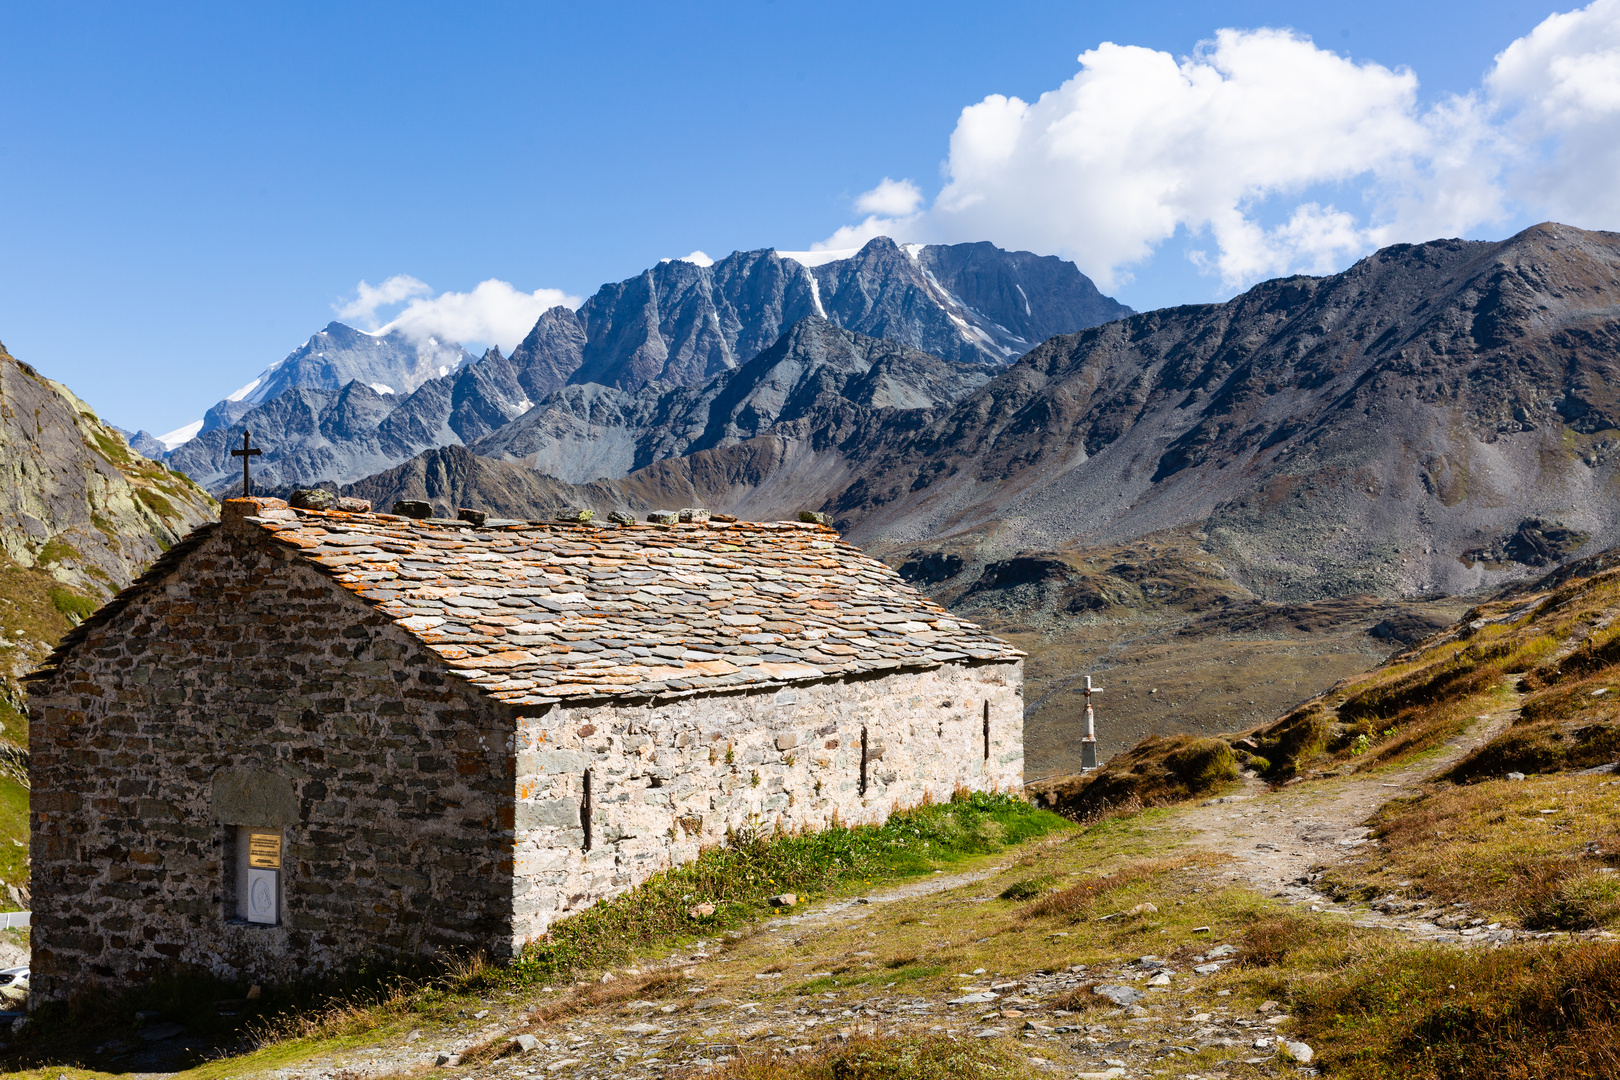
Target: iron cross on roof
{"type": "Point", "coordinates": [247, 454]}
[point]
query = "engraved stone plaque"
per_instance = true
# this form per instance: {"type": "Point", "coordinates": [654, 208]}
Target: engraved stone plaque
{"type": "Point", "coordinates": [261, 896]}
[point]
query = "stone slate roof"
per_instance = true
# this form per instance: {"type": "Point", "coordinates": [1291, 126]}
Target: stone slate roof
{"type": "Point", "coordinates": [536, 612]}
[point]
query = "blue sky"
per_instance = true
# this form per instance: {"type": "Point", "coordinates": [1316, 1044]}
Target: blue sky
{"type": "Point", "coordinates": [187, 191]}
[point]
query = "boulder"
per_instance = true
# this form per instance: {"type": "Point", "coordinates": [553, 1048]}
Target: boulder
{"type": "Point", "coordinates": [1297, 1052]}
{"type": "Point", "coordinates": [1119, 994]}
{"type": "Point", "coordinates": [312, 499]}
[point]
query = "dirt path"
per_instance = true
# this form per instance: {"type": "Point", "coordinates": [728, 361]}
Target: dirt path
{"type": "Point", "coordinates": [1278, 838]}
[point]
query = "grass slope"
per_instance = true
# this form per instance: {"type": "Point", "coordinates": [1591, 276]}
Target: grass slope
{"type": "Point", "coordinates": [1553, 652]}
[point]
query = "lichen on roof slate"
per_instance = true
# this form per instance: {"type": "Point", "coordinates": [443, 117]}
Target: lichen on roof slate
{"type": "Point", "coordinates": [538, 612]}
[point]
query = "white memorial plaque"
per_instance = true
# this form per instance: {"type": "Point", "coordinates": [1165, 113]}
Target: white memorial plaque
{"type": "Point", "coordinates": [261, 896]}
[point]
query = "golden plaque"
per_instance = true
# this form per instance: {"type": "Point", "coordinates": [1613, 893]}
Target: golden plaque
{"type": "Point", "coordinates": [264, 850]}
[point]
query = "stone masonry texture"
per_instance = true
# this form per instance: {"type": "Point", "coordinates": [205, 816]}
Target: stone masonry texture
{"type": "Point", "coordinates": [670, 779]}
{"type": "Point", "coordinates": [418, 707]}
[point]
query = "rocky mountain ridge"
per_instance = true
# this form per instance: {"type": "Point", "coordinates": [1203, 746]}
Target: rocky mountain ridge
{"type": "Point", "coordinates": [682, 323]}
{"type": "Point", "coordinates": [312, 434]}
{"type": "Point", "coordinates": [74, 499]}
{"type": "Point", "coordinates": [80, 516]}
{"type": "Point", "coordinates": [327, 412]}
{"type": "Point", "coordinates": [1388, 430]}
{"type": "Point", "coordinates": [1355, 433]}
{"type": "Point", "coordinates": [818, 377]}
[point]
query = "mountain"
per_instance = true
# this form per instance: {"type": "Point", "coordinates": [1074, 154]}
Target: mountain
{"type": "Point", "coordinates": [310, 434]}
{"type": "Point", "coordinates": [819, 378]}
{"type": "Point", "coordinates": [80, 517]}
{"type": "Point", "coordinates": [683, 323]}
{"type": "Point", "coordinates": [818, 387]}
{"type": "Point", "coordinates": [1390, 429]}
{"type": "Point", "coordinates": [1437, 418]}
{"type": "Point", "coordinates": [322, 415]}
{"type": "Point", "coordinates": [451, 477]}
{"type": "Point", "coordinates": [391, 363]}
{"type": "Point", "coordinates": [143, 443]}
{"type": "Point", "coordinates": [74, 500]}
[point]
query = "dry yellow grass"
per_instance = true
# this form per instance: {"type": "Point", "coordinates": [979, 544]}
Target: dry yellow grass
{"type": "Point", "coordinates": [900, 1058]}
{"type": "Point", "coordinates": [1531, 853]}
{"type": "Point", "coordinates": [1558, 649]}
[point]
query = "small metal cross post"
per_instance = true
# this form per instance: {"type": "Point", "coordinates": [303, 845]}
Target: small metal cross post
{"type": "Point", "coordinates": [247, 455]}
{"type": "Point", "coordinates": [1088, 745]}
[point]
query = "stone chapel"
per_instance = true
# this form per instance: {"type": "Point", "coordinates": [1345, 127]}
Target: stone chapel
{"type": "Point", "coordinates": [306, 737]}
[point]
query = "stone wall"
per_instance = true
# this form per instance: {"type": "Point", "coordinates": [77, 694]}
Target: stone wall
{"type": "Point", "coordinates": [241, 687]}
{"type": "Point", "coordinates": [668, 778]}
{"type": "Point", "coordinates": [250, 686]}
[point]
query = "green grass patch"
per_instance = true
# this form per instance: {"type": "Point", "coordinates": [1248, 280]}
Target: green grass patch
{"type": "Point", "coordinates": [13, 836]}
{"type": "Point", "coordinates": [13, 724]}
{"type": "Point", "coordinates": [57, 550]}
{"type": "Point", "coordinates": [1129, 836]}
{"type": "Point", "coordinates": [112, 448]}
{"type": "Point", "coordinates": [71, 604]}
{"type": "Point", "coordinates": [156, 503]}
{"type": "Point", "coordinates": [737, 878]}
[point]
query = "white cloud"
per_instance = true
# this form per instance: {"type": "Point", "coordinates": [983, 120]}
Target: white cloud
{"type": "Point", "coordinates": [852, 237]}
{"type": "Point", "coordinates": [492, 313]}
{"type": "Point", "coordinates": [368, 298]}
{"type": "Point", "coordinates": [892, 209]}
{"type": "Point", "coordinates": [697, 258]}
{"type": "Point", "coordinates": [1558, 88]}
{"type": "Point", "coordinates": [891, 198]}
{"type": "Point", "coordinates": [1281, 155]}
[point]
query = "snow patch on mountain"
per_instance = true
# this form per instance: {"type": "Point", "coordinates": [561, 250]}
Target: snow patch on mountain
{"type": "Point", "coordinates": [181, 435]}
{"type": "Point", "coordinates": [244, 392]}
{"type": "Point", "coordinates": [814, 259]}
